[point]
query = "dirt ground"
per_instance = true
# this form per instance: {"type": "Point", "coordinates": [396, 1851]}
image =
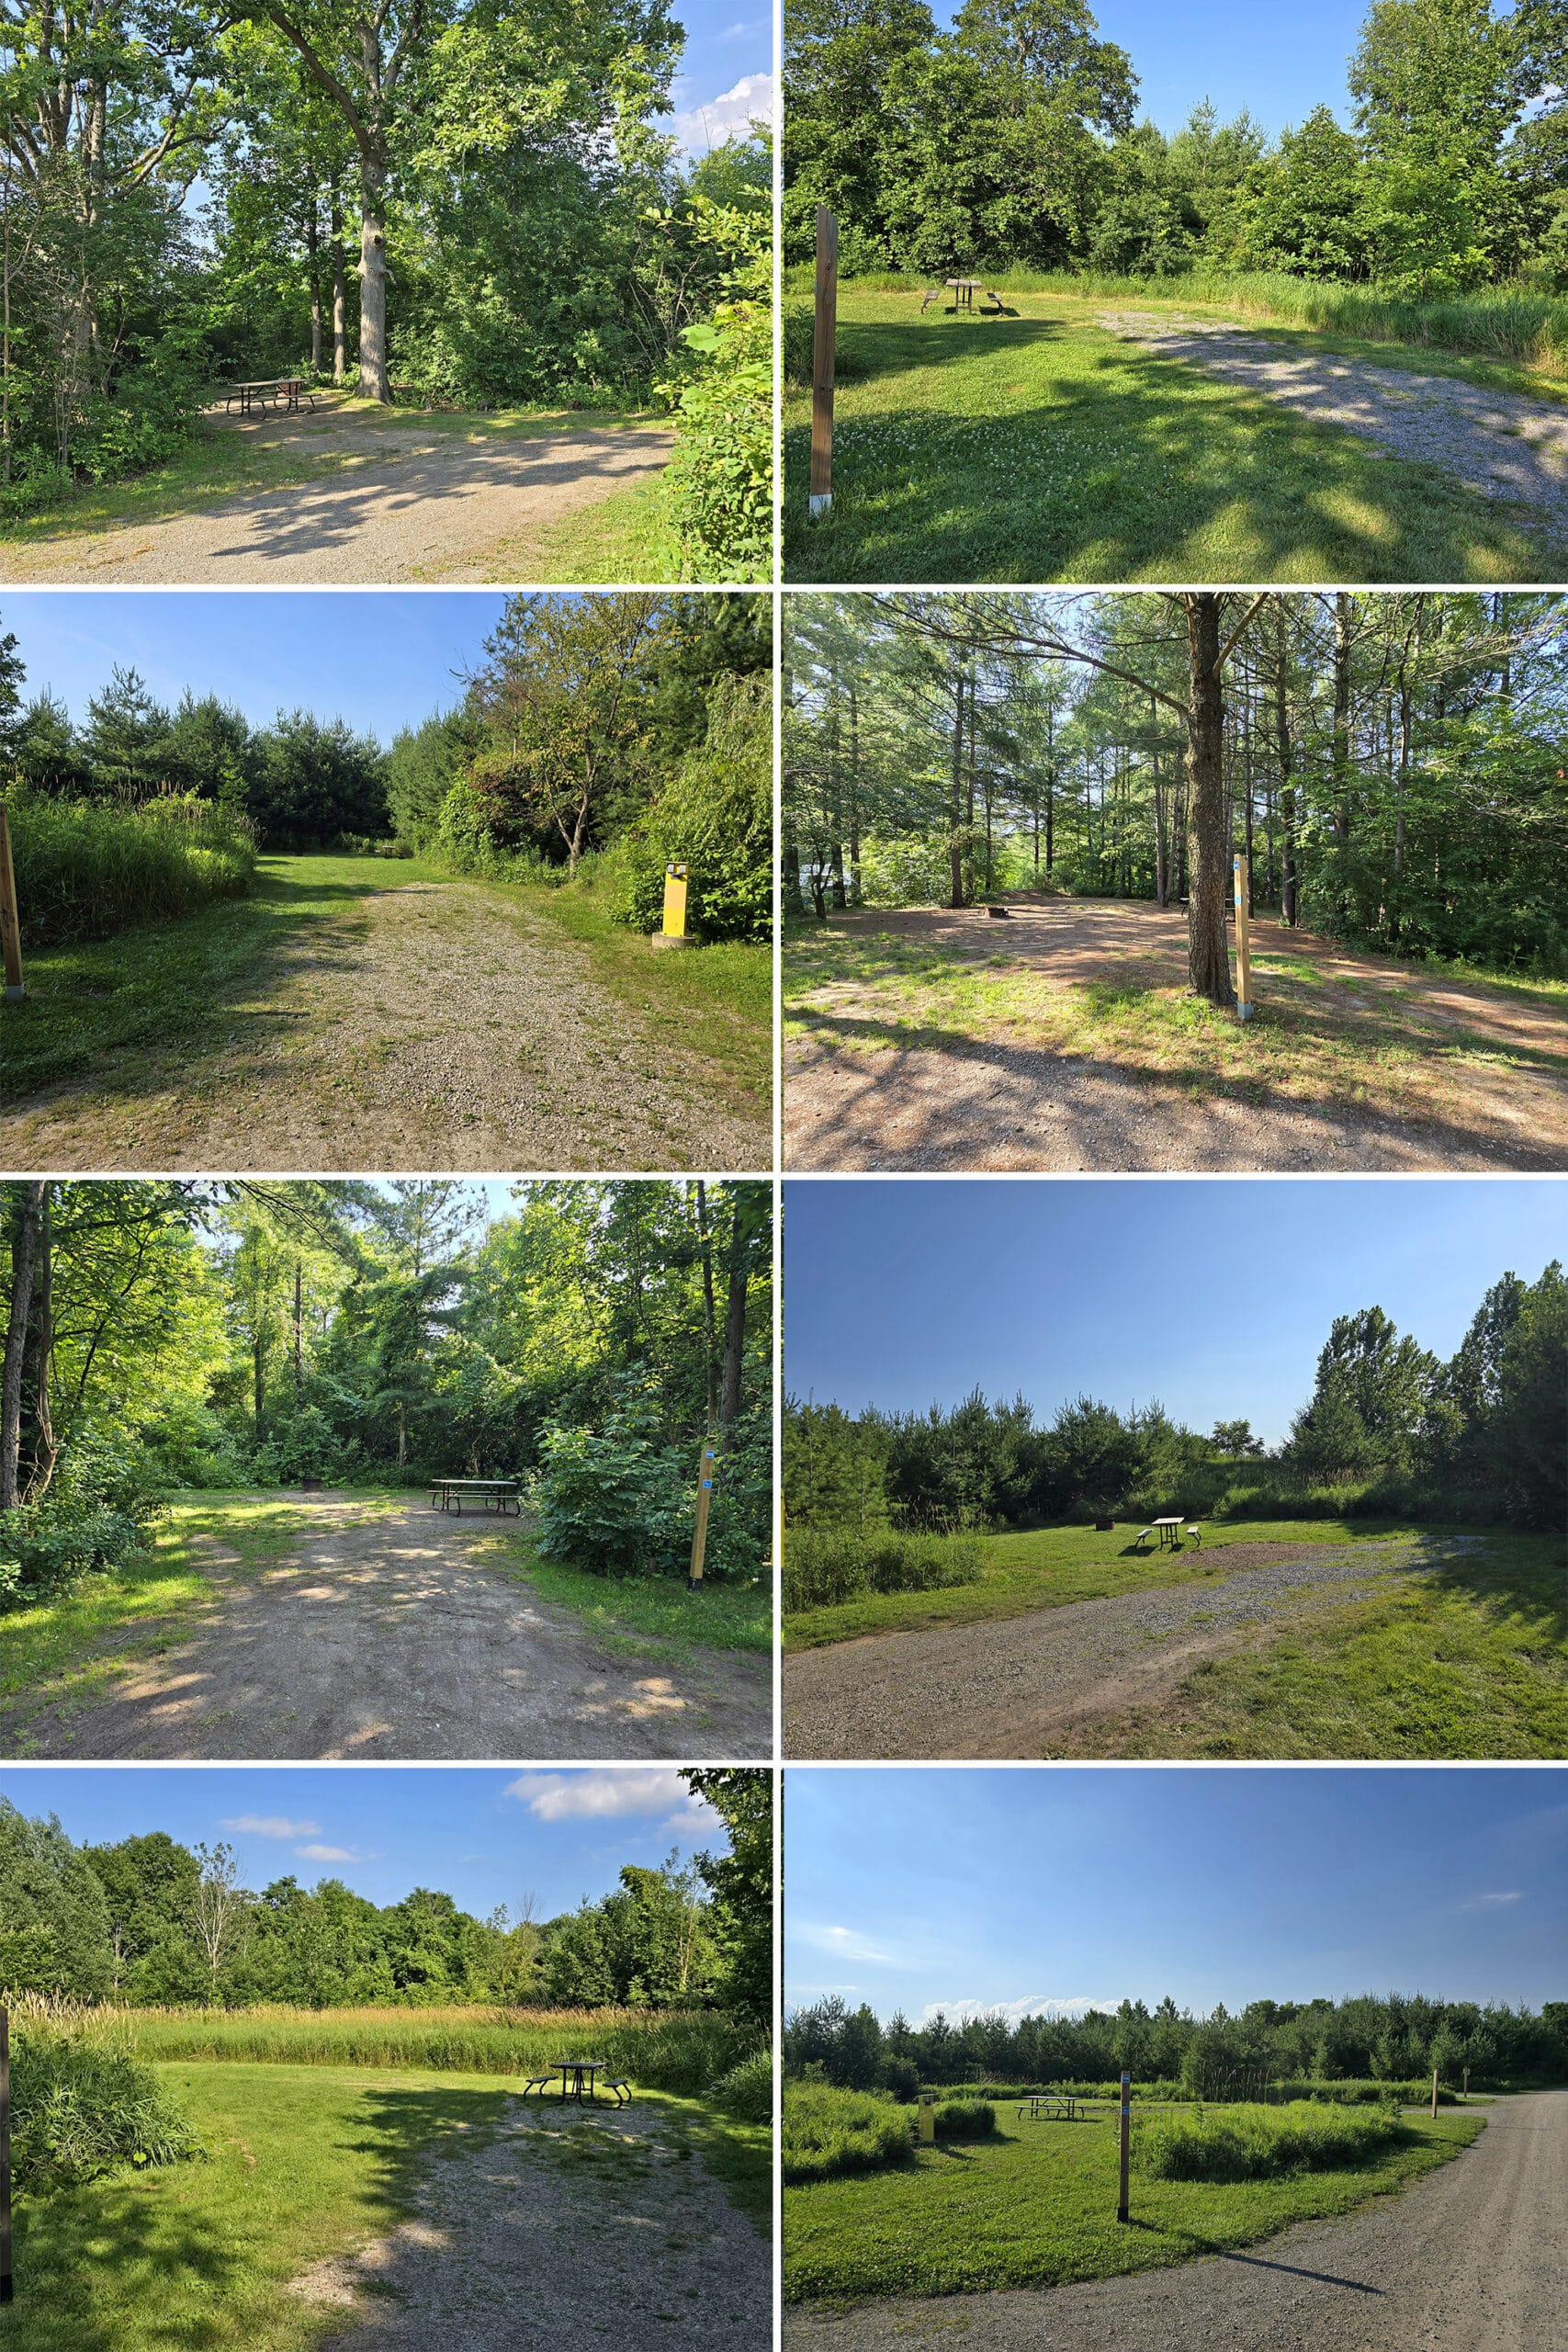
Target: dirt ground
{"type": "Point", "coordinates": [386, 1634]}
{"type": "Point", "coordinates": [563, 2232]}
{"type": "Point", "coordinates": [1018, 1686]}
{"type": "Point", "coordinates": [429, 1027]}
{"type": "Point", "coordinates": [411, 503]}
{"type": "Point", "coordinates": [1478, 1078]}
{"type": "Point", "coordinates": [1503, 444]}
{"type": "Point", "coordinates": [1471, 2258]}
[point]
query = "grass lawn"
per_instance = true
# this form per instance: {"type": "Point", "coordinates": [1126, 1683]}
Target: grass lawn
{"type": "Point", "coordinates": [173, 987]}
{"type": "Point", "coordinates": [1332, 1026]}
{"type": "Point", "coordinates": [218, 461]}
{"type": "Point", "coordinates": [304, 2162]}
{"type": "Point", "coordinates": [1043, 447]}
{"type": "Point", "coordinates": [635, 1614]}
{"type": "Point", "coordinates": [1037, 2207]}
{"type": "Point", "coordinates": [1044, 1566]}
{"type": "Point", "coordinates": [1471, 1661]}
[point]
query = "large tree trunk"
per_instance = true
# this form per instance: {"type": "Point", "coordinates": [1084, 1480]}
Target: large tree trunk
{"type": "Point", "coordinates": [40, 1362]}
{"type": "Point", "coordinates": [955, 812]}
{"type": "Point", "coordinates": [1287, 766]}
{"type": "Point", "coordinates": [24, 1268]}
{"type": "Point", "coordinates": [340, 292]}
{"type": "Point", "coordinates": [1208, 949]}
{"type": "Point", "coordinates": [373, 381]}
{"type": "Point", "coordinates": [1342, 717]}
{"type": "Point", "coordinates": [710, 1318]}
{"type": "Point", "coordinates": [314, 257]}
{"type": "Point", "coordinates": [739, 1283]}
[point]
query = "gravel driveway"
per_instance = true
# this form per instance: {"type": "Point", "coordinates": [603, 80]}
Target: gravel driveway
{"type": "Point", "coordinates": [386, 1633]}
{"type": "Point", "coordinates": [428, 1027]}
{"type": "Point", "coordinates": [1471, 2258]}
{"type": "Point", "coordinates": [1503, 444]}
{"type": "Point", "coordinates": [559, 2235]}
{"type": "Point", "coordinates": [401, 502]}
{"type": "Point", "coordinates": [1015, 1687]}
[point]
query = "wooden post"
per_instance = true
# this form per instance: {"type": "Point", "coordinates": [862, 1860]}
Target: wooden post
{"type": "Point", "coordinates": [704, 1496]}
{"type": "Point", "coordinates": [1434, 2094]}
{"type": "Point", "coordinates": [1466, 2093]}
{"type": "Point", "coordinates": [928, 2121]}
{"type": "Point", "coordinates": [822, 352]}
{"type": "Point", "coordinates": [1126, 2143]}
{"type": "Point", "coordinates": [6, 2290]}
{"type": "Point", "coordinates": [1242, 944]}
{"type": "Point", "coordinates": [10, 920]}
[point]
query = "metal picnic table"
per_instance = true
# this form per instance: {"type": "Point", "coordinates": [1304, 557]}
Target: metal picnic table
{"type": "Point", "coordinates": [1040, 2103]}
{"type": "Point", "coordinates": [283, 391]}
{"type": "Point", "coordinates": [964, 291]}
{"type": "Point", "coordinates": [577, 2070]}
{"type": "Point", "coordinates": [446, 1494]}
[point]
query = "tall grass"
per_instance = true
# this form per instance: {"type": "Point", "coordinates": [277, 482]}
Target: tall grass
{"type": "Point", "coordinates": [1232, 2144]}
{"type": "Point", "coordinates": [829, 2133]}
{"type": "Point", "coordinates": [824, 1565]}
{"type": "Point", "coordinates": [85, 872]}
{"type": "Point", "coordinates": [684, 2051]}
{"type": "Point", "coordinates": [83, 2101]}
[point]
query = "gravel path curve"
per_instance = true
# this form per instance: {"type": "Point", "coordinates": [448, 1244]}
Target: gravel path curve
{"type": "Point", "coordinates": [1503, 444]}
{"type": "Point", "coordinates": [429, 1027]}
{"type": "Point", "coordinates": [557, 2235]}
{"type": "Point", "coordinates": [1471, 2258]}
{"type": "Point", "coordinates": [1006, 1688]}
{"type": "Point", "coordinates": [388, 1633]}
{"type": "Point", "coordinates": [408, 504]}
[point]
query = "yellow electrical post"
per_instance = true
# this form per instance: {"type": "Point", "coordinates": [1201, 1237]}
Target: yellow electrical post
{"type": "Point", "coordinates": [673, 933]}
{"type": "Point", "coordinates": [704, 1496]}
{"type": "Point", "coordinates": [928, 2119]}
{"type": "Point", "coordinates": [1242, 943]}
{"type": "Point", "coordinates": [10, 918]}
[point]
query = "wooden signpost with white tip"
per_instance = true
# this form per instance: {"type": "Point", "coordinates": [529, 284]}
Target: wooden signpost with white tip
{"type": "Point", "coordinates": [825, 330]}
{"type": "Point", "coordinates": [1243, 943]}
{"type": "Point", "coordinates": [10, 918]}
{"type": "Point", "coordinates": [704, 1496]}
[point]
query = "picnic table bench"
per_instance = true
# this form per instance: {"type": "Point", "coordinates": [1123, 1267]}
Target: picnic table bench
{"type": "Point", "coordinates": [287, 392]}
{"type": "Point", "coordinates": [1050, 2103]}
{"type": "Point", "coordinates": [446, 1494]}
{"type": "Point", "coordinates": [1169, 1532]}
{"type": "Point", "coordinates": [964, 291]}
{"type": "Point", "coordinates": [577, 2081]}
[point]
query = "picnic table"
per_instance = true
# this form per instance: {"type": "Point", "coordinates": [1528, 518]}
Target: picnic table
{"type": "Point", "coordinates": [1169, 1531]}
{"type": "Point", "coordinates": [446, 1494]}
{"type": "Point", "coordinates": [577, 2072]}
{"type": "Point", "coordinates": [1061, 2103]}
{"type": "Point", "coordinates": [287, 392]}
{"type": "Point", "coordinates": [964, 291]}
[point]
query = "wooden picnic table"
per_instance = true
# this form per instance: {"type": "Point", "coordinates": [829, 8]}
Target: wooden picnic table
{"type": "Point", "coordinates": [1040, 2103]}
{"type": "Point", "coordinates": [283, 391]}
{"type": "Point", "coordinates": [964, 291]}
{"type": "Point", "coordinates": [1169, 1531]}
{"type": "Point", "coordinates": [446, 1494]}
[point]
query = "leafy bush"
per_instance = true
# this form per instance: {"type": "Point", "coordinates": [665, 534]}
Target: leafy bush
{"type": "Point", "coordinates": [964, 2119]}
{"type": "Point", "coordinates": [746, 2091]}
{"type": "Point", "coordinates": [620, 1503]}
{"type": "Point", "coordinates": [82, 2104]}
{"type": "Point", "coordinates": [721, 478]}
{"type": "Point", "coordinates": [829, 2133]}
{"type": "Point", "coordinates": [85, 872]}
{"type": "Point", "coordinates": [825, 1564]}
{"type": "Point", "coordinates": [95, 1517]}
{"type": "Point", "coordinates": [1231, 2144]}
{"type": "Point", "coordinates": [715, 814]}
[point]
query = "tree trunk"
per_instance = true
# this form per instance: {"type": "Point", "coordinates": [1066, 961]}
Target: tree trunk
{"type": "Point", "coordinates": [710, 1320]}
{"type": "Point", "coordinates": [1208, 949]}
{"type": "Point", "coordinates": [402, 1432]}
{"type": "Point", "coordinates": [836, 866]}
{"type": "Point", "coordinates": [739, 1273]}
{"type": "Point", "coordinates": [955, 812]}
{"type": "Point", "coordinates": [299, 1334]}
{"type": "Point", "coordinates": [340, 291]}
{"type": "Point", "coordinates": [312, 250]}
{"type": "Point", "coordinates": [45, 1450]}
{"type": "Point", "coordinates": [1342, 717]}
{"type": "Point", "coordinates": [24, 1267]}
{"type": "Point", "coordinates": [373, 381]}
{"type": "Point", "coordinates": [1287, 767]}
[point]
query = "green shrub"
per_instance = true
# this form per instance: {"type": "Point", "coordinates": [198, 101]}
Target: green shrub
{"type": "Point", "coordinates": [715, 814]}
{"type": "Point", "coordinates": [82, 2104]}
{"type": "Point", "coordinates": [85, 872]}
{"type": "Point", "coordinates": [964, 2119]}
{"type": "Point", "coordinates": [746, 2091]}
{"type": "Point", "coordinates": [617, 1502]}
{"type": "Point", "coordinates": [1231, 2144]}
{"type": "Point", "coordinates": [720, 481]}
{"type": "Point", "coordinates": [829, 2132]}
{"type": "Point", "coordinates": [825, 1564]}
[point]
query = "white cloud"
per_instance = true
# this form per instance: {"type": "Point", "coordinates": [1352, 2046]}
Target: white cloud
{"type": "Point", "coordinates": [273, 1825]}
{"type": "Point", "coordinates": [697, 129]}
{"type": "Point", "coordinates": [325, 1854]}
{"type": "Point", "coordinates": [601, 1797]}
{"type": "Point", "coordinates": [1491, 1902]}
{"type": "Point", "coordinates": [844, 1943]}
{"type": "Point", "coordinates": [1032, 2004]}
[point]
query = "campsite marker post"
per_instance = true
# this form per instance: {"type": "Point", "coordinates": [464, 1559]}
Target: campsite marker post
{"type": "Point", "coordinates": [1434, 2094]}
{"type": "Point", "coordinates": [1467, 2082]}
{"type": "Point", "coordinates": [704, 1496]}
{"type": "Point", "coordinates": [673, 933]}
{"type": "Point", "coordinates": [1126, 2143]}
{"type": "Point", "coordinates": [928, 2121]}
{"type": "Point", "coordinates": [10, 920]}
{"type": "Point", "coordinates": [6, 2290]}
{"type": "Point", "coordinates": [1242, 944]}
{"type": "Point", "coordinates": [822, 344]}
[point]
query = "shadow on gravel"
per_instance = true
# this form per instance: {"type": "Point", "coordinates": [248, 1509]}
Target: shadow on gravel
{"type": "Point", "coordinates": [1199, 2245]}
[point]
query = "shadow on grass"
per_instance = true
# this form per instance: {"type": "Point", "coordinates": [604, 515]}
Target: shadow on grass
{"type": "Point", "coordinates": [1500, 1572]}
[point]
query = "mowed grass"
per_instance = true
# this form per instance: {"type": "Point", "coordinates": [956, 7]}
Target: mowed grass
{"type": "Point", "coordinates": [1045, 1568]}
{"type": "Point", "coordinates": [1330, 1028]}
{"type": "Point", "coordinates": [166, 992]}
{"type": "Point", "coordinates": [1037, 2207]}
{"type": "Point", "coordinates": [1042, 446]}
{"type": "Point", "coordinates": [1469, 1661]}
{"type": "Point", "coordinates": [303, 2163]}
{"type": "Point", "coordinates": [632, 1615]}
{"type": "Point", "coordinates": [219, 461]}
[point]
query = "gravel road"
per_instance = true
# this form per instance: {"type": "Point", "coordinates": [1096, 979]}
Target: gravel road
{"type": "Point", "coordinates": [1503, 444]}
{"type": "Point", "coordinates": [402, 503]}
{"type": "Point", "coordinates": [557, 2235]}
{"type": "Point", "coordinates": [1473, 2258]}
{"type": "Point", "coordinates": [1014, 1687]}
{"type": "Point", "coordinates": [427, 1027]}
{"type": "Point", "coordinates": [386, 1633]}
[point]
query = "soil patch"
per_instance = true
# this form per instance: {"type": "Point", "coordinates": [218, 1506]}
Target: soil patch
{"type": "Point", "coordinates": [386, 1634]}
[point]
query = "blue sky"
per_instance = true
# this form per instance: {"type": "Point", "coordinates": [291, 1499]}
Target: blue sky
{"type": "Point", "coordinates": [726, 75]}
{"type": "Point", "coordinates": [1061, 1887]}
{"type": "Point", "coordinates": [379, 662]}
{"type": "Point", "coordinates": [484, 1837]}
{"type": "Point", "coordinates": [906, 1294]}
